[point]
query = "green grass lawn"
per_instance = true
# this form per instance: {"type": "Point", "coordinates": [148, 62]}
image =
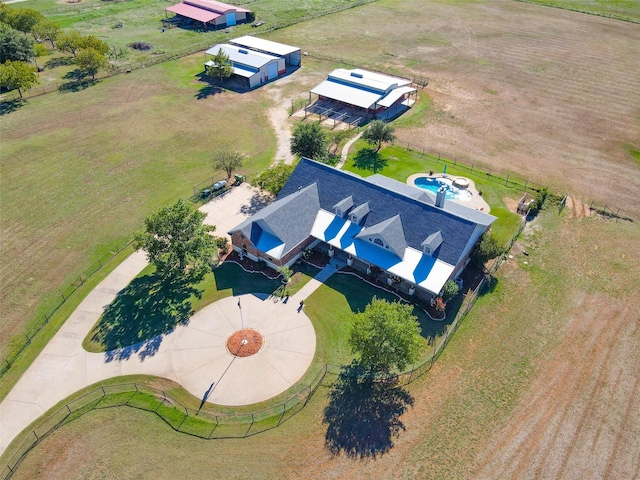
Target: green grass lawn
{"type": "Point", "coordinates": [331, 306]}
{"type": "Point", "coordinates": [151, 305]}
{"type": "Point", "coordinates": [398, 163]}
{"type": "Point", "coordinates": [80, 171]}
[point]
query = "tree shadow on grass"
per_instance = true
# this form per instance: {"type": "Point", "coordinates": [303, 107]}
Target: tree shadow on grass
{"type": "Point", "coordinates": [368, 159]}
{"type": "Point", "coordinates": [11, 106]}
{"type": "Point", "coordinates": [363, 415]}
{"type": "Point", "coordinates": [59, 62]}
{"type": "Point", "coordinates": [231, 276]}
{"type": "Point", "coordinates": [143, 313]}
{"type": "Point", "coordinates": [76, 83]}
{"type": "Point", "coordinates": [210, 88]}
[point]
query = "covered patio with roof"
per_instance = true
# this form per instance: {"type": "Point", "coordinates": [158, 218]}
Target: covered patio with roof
{"type": "Point", "coordinates": [408, 271]}
{"type": "Point", "coordinates": [357, 96]}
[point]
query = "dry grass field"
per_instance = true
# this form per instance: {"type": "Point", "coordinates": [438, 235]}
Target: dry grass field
{"type": "Point", "coordinates": [550, 94]}
{"type": "Point", "coordinates": [542, 380]}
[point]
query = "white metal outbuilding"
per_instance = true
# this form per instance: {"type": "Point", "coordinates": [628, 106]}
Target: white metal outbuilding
{"type": "Point", "coordinates": [256, 67]}
{"type": "Point", "coordinates": [291, 55]}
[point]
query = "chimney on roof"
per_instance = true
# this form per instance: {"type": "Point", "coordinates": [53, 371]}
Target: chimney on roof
{"type": "Point", "coordinates": [440, 194]}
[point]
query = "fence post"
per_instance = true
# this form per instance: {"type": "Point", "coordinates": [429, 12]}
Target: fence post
{"type": "Point", "coordinates": [506, 182]}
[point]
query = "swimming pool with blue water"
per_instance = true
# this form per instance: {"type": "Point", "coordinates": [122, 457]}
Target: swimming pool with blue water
{"type": "Point", "coordinates": [433, 184]}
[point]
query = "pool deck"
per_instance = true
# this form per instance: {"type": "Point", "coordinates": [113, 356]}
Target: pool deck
{"type": "Point", "coordinates": [476, 200]}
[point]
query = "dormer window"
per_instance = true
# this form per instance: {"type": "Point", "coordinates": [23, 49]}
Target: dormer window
{"type": "Point", "coordinates": [358, 214]}
{"type": "Point", "coordinates": [343, 206]}
{"type": "Point", "coordinates": [432, 243]}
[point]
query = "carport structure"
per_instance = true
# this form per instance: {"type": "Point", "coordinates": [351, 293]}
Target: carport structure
{"type": "Point", "coordinates": [364, 94]}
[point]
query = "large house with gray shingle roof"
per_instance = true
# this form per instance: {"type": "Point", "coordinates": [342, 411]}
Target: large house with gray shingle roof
{"type": "Point", "coordinates": [411, 235]}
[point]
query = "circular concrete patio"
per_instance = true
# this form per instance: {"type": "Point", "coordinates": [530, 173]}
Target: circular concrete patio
{"type": "Point", "coordinates": [204, 366]}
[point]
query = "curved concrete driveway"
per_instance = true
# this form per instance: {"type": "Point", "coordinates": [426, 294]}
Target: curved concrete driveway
{"type": "Point", "coordinates": [193, 355]}
{"type": "Point", "coordinates": [202, 363]}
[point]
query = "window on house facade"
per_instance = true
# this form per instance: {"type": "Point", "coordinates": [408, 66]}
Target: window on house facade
{"type": "Point", "coordinates": [378, 241]}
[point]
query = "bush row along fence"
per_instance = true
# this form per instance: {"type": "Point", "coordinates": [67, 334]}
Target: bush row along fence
{"type": "Point", "coordinates": [221, 426]}
{"type": "Point", "coordinates": [505, 178]}
{"type": "Point", "coordinates": [62, 299]}
{"type": "Point", "coordinates": [180, 418]}
{"type": "Point", "coordinates": [165, 57]}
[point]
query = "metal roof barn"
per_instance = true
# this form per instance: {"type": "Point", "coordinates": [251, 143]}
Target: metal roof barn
{"type": "Point", "coordinates": [363, 89]}
{"type": "Point", "coordinates": [209, 12]}
{"type": "Point", "coordinates": [292, 55]}
{"type": "Point", "coordinates": [255, 66]}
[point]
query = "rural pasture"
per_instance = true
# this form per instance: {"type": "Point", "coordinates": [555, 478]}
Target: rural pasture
{"type": "Point", "coordinates": [541, 381]}
{"type": "Point", "coordinates": [549, 94]}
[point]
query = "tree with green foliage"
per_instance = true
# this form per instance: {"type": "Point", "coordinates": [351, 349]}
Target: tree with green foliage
{"type": "Point", "coordinates": [221, 66]}
{"type": "Point", "coordinates": [176, 238]}
{"type": "Point", "coordinates": [90, 41]}
{"type": "Point", "coordinates": [286, 273]}
{"type": "Point", "coordinates": [386, 335]}
{"type": "Point", "coordinates": [90, 61]}
{"type": "Point", "coordinates": [24, 19]}
{"type": "Point", "coordinates": [377, 133]}
{"type": "Point", "coordinates": [227, 160]}
{"type": "Point", "coordinates": [539, 202]}
{"type": "Point", "coordinates": [46, 29]}
{"type": "Point", "coordinates": [69, 41]}
{"type": "Point", "coordinates": [15, 46]}
{"type": "Point", "coordinates": [18, 75]}
{"type": "Point", "coordinates": [337, 138]}
{"type": "Point", "coordinates": [309, 140]}
{"type": "Point", "coordinates": [486, 249]}
{"type": "Point", "coordinates": [273, 178]}
{"type": "Point", "coordinates": [449, 290]}
{"type": "Point", "coordinates": [6, 12]}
